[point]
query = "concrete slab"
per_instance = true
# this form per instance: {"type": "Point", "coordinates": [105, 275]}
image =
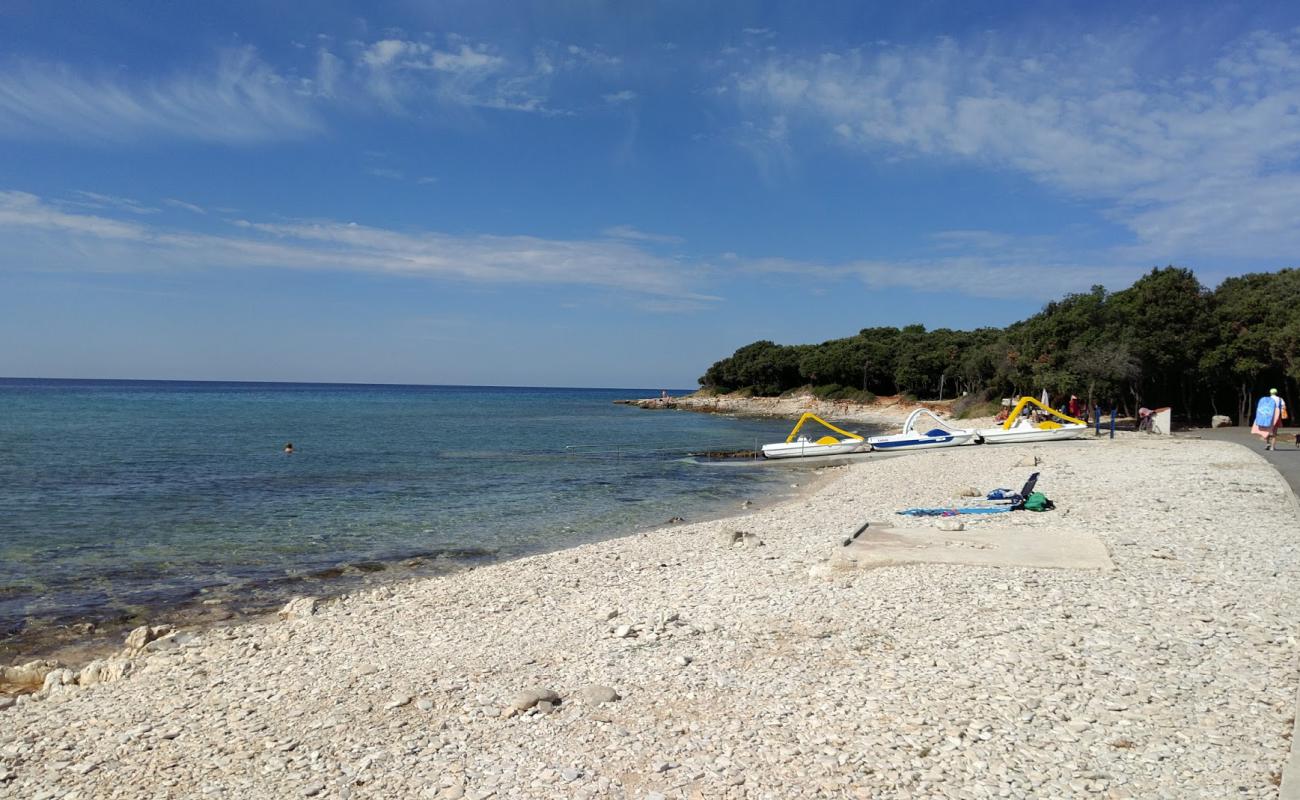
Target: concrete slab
{"type": "Point", "coordinates": [1046, 548]}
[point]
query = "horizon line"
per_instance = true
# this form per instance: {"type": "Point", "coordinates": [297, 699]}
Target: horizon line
{"type": "Point", "coordinates": [334, 383]}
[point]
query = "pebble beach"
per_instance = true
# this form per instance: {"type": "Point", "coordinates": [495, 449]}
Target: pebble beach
{"type": "Point", "coordinates": [739, 658]}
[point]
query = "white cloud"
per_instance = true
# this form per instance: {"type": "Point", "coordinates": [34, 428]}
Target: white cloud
{"type": "Point", "coordinates": [407, 75]}
{"type": "Point", "coordinates": [238, 100]}
{"type": "Point", "coordinates": [181, 204]}
{"type": "Point", "coordinates": [20, 209]}
{"type": "Point", "coordinates": [1187, 161]}
{"type": "Point", "coordinates": [386, 172]}
{"type": "Point", "coordinates": [96, 200]}
{"type": "Point", "coordinates": [466, 60]}
{"type": "Point", "coordinates": [386, 51]}
{"type": "Point", "coordinates": [36, 233]}
{"type": "Point", "coordinates": [997, 276]}
{"type": "Point", "coordinates": [624, 96]}
{"type": "Point", "coordinates": [632, 234]}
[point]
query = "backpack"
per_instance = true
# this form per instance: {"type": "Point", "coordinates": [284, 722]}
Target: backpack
{"type": "Point", "coordinates": [1037, 501]}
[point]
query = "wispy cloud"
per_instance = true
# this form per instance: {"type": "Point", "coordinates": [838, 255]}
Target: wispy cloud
{"type": "Point", "coordinates": [38, 233]}
{"type": "Point", "coordinates": [451, 71]}
{"type": "Point", "coordinates": [633, 234]}
{"type": "Point", "coordinates": [972, 275]}
{"type": "Point", "coordinates": [1188, 161]}
{"type": "Point", "coordinates": [623, 96]}
{"type": "Point", "coordinates": [237, 100]}
{"type": "Point", "coordinates": [181, 204]}
{"type": "Point", "coordinates": [96, 200]}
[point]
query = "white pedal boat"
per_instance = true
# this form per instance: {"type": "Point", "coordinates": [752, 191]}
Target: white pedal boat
{"type": "Point", "coordinates": [803, 446]}
{"type": "Point", "coordinates": [913, 439]}
{"type": "Point", "coordinates": [1019, 429]}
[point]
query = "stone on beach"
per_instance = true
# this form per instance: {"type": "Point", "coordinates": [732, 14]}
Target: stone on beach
{"type": "Point", "coordinates": [32, 674]}
{"type": "Point", "coordinates": [522, 701]}
{"type": "Point", "coordinates": [299, 607]}
{"type": "Point", "coordinates": [104, 671]}
{"type": "Point", "coordinates": [138, 638]}
{"type": "Point", "coordinates": [595, 694]}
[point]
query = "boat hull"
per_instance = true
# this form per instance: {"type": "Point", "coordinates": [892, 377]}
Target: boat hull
{"type": "Point", "coordinates": [1026, 434]}
{"type": "Point", "coordinates": [809, 449]}
{"type": "Point", "coordinates": [912, 441]}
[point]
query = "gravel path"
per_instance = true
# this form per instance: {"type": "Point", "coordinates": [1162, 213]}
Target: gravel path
{"type": "Point", "coordinates": [746, 666]}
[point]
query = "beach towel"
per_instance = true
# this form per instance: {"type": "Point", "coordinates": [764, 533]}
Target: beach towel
{"type": "Point", "coordinates": [1266, 416]}
{"type": "Point", "coordinates": [952, 512]}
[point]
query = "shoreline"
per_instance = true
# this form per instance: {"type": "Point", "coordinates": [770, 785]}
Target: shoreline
{"type": "Point", "coordinates": [74, 650]}
{"type": "Point", "coordinates": [885, 411]}
{"type": "Point", "coordinates": [743, 668]}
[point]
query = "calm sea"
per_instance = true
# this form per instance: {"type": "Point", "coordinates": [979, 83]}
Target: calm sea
{"type": "Point", "coordinates": [124, 500]}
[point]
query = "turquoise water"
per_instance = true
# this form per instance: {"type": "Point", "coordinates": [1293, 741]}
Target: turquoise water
{"type": "Point", "coordinates": [121, 499]}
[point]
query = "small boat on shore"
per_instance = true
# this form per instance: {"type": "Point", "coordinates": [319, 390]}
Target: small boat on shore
{"type": "Point", "coordinates": [1018, 429]}
{"type": "Point", "coordinates": [803, 446]}
{"type": "Point", "coordinates": [912, 439]}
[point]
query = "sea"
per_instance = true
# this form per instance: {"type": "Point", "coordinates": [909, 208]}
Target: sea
{"type": "Point", "coordinates": [125, 502]}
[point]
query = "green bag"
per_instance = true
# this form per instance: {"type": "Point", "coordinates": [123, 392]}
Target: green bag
{"type": "Point", "coordinates": [1038, 501]}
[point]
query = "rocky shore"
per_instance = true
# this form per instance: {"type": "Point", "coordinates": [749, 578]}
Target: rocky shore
{"type": "Point", "coordinates": [887, 411]}
{"type": "Point", "coordinates": [740, 658]}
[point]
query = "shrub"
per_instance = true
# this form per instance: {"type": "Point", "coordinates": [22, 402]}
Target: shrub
{"type": "Point", "coordinates": [972, 406]}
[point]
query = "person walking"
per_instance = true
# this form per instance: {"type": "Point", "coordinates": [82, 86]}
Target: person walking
{"type": "Point", "coordinates": [1268, 415]}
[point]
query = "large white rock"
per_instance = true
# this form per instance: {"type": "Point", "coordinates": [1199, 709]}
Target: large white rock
{"type": "Point", "coordinates": [1220, 421]}
{"type": "Point", "coordinates": [30, 674]}
{"type": "Point", "coordinates": [105, 671]}
{"type": "Point", "coordinates": [56, 679]}
{"type": "Point", "coordinates": [299, 607]}
{"type": "Point", "coordinates": [141, 636]}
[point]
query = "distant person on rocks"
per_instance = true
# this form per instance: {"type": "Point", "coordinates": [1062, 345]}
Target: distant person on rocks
{"type": "Point", "coordinates": [1268, 416]}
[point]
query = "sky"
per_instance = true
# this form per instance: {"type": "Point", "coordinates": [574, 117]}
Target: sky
{"type": "Point", "coordinates": [608, 193]}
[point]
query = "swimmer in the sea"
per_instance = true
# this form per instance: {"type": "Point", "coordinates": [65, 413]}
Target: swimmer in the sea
{"type": "Point", "coordinates": [288, 448]}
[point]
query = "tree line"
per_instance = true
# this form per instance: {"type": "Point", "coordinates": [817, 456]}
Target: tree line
{"type": "Point", "coordinates": [1165, 340]}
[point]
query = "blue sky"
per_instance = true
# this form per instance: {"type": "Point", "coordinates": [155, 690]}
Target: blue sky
{"type": "Point", "coordinates": [610, 194]}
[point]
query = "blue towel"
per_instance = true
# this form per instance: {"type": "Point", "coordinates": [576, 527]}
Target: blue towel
{"type": "Point", "coordinates": [952, 512]}
{"type": "Point", "coordinates": [1264, 412]}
